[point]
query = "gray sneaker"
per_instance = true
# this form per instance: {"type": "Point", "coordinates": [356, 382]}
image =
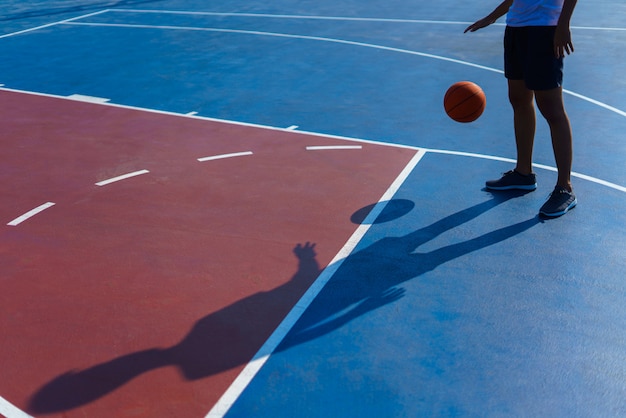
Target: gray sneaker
{"type": "Point", "coordinates": [512, 180]}
{"type": "Point", "coordinates": [559, 202]}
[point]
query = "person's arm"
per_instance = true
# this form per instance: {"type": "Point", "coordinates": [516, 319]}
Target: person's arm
{"type": "Point", "coordinates": [563, 37]}
{"type": "Point", "coordinates": [499, 11]}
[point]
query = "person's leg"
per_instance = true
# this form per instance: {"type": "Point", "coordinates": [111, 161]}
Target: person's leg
{"type": "Point", "coordinates": [550, 103]}
{"type": "Point", "coordinates": [524, 121]}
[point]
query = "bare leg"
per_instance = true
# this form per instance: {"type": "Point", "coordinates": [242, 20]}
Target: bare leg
{"type": "Point", "coordinates": [550, 103]}
{"type": "Point", "coordinates": [524, 121]}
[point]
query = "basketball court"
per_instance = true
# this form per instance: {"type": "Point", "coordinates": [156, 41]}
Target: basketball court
{"type": "Point", "coordinates": [263, 210]}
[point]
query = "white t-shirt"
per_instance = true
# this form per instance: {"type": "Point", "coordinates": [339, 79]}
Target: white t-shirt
{"type": "Point", "coordinates": [534, 13]}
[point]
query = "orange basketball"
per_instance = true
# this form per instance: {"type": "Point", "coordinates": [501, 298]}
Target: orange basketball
{"type": "Point", "coordinates": [464, 101]}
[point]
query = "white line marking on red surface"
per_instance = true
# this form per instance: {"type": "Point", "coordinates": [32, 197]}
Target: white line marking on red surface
{"type": "Point", "coordinates": [222, 156]}
{"type": "Point", "coordinates": [235, 390]}
{"type": "Point", "coordinates": [331, 147]}
{"type": "Point", "coordinates": [30, 214]}
{"type": "Point", "coordinates": [9, 410]}
{"type": "Point", "coordinates": [122, 177]}
{"type": "Point", "coordinates": [88, 99]}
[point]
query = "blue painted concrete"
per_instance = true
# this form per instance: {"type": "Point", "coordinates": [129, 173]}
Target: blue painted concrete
{"type": "Point", "coordinates": [468, 305]}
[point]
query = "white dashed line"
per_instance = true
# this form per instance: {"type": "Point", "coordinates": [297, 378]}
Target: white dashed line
{"type": "Point", "coordinates": [221, 156]}
{"type": "Point", "coordinates": [30, 214]}
{"type": "Point", "coordinates": [330, 147]}
{"type": "Point", "coordinates": [122, 177]}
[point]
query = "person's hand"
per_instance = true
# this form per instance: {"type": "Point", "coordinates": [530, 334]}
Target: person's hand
{"type": "Point", "coordinates": [482, 23]}
{"type": "Point", "coordinates": [563, 42]}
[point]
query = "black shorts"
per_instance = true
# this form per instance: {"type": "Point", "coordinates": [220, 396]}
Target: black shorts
{"type": "Point", "coordinates": [529, 56]}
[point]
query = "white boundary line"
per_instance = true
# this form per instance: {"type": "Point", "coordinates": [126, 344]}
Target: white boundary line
{"type": "Point", "coordinates": [88, 99]}
{"type": "Point", "coordinates": [332, 147]}
{"type": "Point", "coordinates": [52, 24]}
{"type": "Point", "coordinates": [541, 166]}
{"type": "Point", "coordinates": [9, 410]}
{"type": "Point", "coordinates": [341, 18]}
{"type": "Point", "coordinates": [245, 377]}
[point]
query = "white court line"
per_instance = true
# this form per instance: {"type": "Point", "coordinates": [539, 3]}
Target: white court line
{"type": "Point", "coordinates": [331, 147]}
{"type": "Point", "coordinates": [541, 166]}
{"type": "Point", "coordinates": [292, 127]}
{"type": "Point", "coordinates": [339, 41]}
{"type": "Point", "coordinates": [122, 177]}
{"type": "Point", "coordinates": [285, 35]}
{"type": "Point", "coordinates": [52, 24]}
{"type": "Point", "coordinates": [247, 374]}
{"type": "Point", "coordinates": [299, 17]}
{"type": "Point", "coordinates": [88, 99]}
{"type": "Point", "coordinates": [341, 18]}
{"type": "Point", "coordinates": [222, 156]}
{"type": "Point", "coordinates": [30, 214]}
{"type": "Point", "coordinates": [596, 102]}
{"type": "Point", "coordinates": [9, 410]}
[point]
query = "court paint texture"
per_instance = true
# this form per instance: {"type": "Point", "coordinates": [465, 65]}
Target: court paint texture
{"type": "Point", "coordinates": [264, 211]}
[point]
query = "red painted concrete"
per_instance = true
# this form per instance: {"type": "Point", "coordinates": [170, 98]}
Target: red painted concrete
{"type": "Point", "coordinates": [148, 296]}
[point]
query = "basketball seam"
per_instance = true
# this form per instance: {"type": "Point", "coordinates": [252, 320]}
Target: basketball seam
{"type": "Point", "coordinates": [463, 101]}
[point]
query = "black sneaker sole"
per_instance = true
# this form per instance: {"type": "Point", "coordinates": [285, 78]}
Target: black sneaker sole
{"type": "Point", "coordinates": [529, 187]}
{"type": "Point", "coordinates": [559, 213]}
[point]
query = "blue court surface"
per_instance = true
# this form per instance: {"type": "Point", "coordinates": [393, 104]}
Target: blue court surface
{"type": "Point", "coordinates": [424, 294]}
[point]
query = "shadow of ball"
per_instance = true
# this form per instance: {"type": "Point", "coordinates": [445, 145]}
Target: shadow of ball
{"type": "Point", "coordinates": [393, 209]}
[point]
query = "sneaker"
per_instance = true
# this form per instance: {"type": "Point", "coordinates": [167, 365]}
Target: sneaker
{"type": "Point", "coordinates": [559, 202]}
{"type": "Point", "coordinates": [512, 180]}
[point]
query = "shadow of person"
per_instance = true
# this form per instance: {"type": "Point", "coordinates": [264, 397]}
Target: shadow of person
{"type": "Point", "coordinates": [220, 341]}
{"type": "Point", "coordinates": [230, 337]}
{"type": "Point", "coordinates": [368, 279]}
